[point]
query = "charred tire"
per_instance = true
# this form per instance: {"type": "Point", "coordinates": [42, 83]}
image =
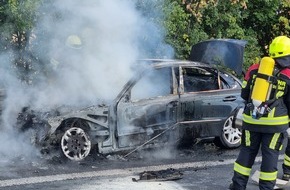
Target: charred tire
{"type": "Point", "coordinates": [230, 136]}
{"type": "Point", "coordinates": [75, 142]}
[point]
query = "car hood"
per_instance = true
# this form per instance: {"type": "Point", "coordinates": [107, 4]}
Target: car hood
{"type": "Point", "coordinates": [227, 52]}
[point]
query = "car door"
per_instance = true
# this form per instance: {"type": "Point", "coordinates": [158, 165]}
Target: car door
{"type": "Point", "coordinates": [204, 103]}
{"type": "Point", "coordinates": [150, 109]}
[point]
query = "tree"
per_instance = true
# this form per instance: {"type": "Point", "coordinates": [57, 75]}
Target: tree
{"type": "Point", "coordinates": [189, 22]}
{"type": "Point", "coordinates": [281, 24]}
{"type": "Point", "coordinates": [17, 19]}
{"type": "Point", "coordinates": [257, 21]}
{"type": "Point", "coordinates": [181, 32]}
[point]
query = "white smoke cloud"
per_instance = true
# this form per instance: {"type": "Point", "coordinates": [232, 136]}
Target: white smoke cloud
{"type": "Point", "coordinates": [98, 70]}
{"type": "Point", "coordinates": [113, 33]}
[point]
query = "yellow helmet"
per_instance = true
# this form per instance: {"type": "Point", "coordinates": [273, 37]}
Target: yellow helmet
{"type": "Point", "coordinates": [280, 47]}
{"type": "Point", "coordinates": [73, 41]}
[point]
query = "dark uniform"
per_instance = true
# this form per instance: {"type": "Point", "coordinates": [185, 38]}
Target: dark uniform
{"type": "Point", "coordinates": [267, 132]}
{"type": "Point", "coordinates": [286, 163]}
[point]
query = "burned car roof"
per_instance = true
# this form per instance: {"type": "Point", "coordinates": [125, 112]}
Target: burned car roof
{"type": "Point", "coordinates": [158, 63]}
{"type": "Point", "coordinates": [144, 64]}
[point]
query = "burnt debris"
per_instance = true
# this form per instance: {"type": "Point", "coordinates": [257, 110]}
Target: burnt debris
{"type": "Point", "coordinates": [161, 175]}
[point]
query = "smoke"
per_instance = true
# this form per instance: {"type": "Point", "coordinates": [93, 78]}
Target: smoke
{"type": "Point", "coordinates": [12, 99]}
{"type": "Point", "coordinates": [99, 68]}
{"type": "Point", "coordinates": [113, 35]}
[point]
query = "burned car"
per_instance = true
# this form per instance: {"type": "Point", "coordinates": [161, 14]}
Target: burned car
{"type": "Point", "coordinates": [179, 102]}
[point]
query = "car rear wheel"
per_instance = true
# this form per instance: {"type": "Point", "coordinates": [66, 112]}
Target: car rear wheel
{"type": "Point", "coordinates": [230, 137]}
{"type": "Point", "coordinates": [75, 143]}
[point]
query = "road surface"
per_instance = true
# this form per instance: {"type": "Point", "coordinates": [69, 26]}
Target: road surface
{"type": "Point", "coordinates": [203, 167]}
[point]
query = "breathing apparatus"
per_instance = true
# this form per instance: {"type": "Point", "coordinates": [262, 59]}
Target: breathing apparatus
{"type": "Point", "coordinates": [266, 76]}
{"type": "Point", "coordinates": [262, 87]}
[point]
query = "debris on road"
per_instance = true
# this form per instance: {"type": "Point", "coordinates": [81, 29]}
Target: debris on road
{"type": "Point", "coordinates": [161, 175]}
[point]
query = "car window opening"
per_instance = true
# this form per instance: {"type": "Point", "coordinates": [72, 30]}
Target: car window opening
{"type": "Point", "coordinates": [196, 80]}
{"type": "Point", "coordinates": [156, 82]}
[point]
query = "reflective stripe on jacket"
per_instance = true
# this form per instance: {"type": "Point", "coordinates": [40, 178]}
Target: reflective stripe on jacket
{"type": "Point", "coordinates": [277, 119]}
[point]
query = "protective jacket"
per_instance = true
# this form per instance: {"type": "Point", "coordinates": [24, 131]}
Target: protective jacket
{"type": "Point", "coordinates": [276, 119]}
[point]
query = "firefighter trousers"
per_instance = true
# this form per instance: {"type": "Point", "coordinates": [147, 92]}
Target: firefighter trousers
{"type": "Point", "coordinates": [286, 162]}
{"type": "Point", "coordinates": [270, 144]}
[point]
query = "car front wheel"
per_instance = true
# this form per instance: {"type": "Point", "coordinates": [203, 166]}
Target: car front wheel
{"type": "Point", "coordinates": [230, 136]}
{"type": "Point", "coordinates": [75, 144]}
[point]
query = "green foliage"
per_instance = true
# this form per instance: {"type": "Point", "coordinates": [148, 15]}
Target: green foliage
{"type": "Point", "coordinates": [17, 19]}
{"type": "Point", "coordinates": [259, 17]}
{"type": "Point", "coordinates": [222, 21]}
{"type": "Point", "coordinates": [182, 30]}
{"type": "Point", "coordinates": [177, 23]}
{"type": "Point", "coordinates": [257, 21]}
{"type": "Point", "coordinates": [17, 16]}
{"type": "Point", "coordinates": [281, 25]}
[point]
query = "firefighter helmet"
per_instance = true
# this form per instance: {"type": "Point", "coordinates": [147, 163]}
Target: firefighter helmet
{"type": "Point", "coordinates": [74, 41]}
{"type": "Point", "coordinates": [280, 47]}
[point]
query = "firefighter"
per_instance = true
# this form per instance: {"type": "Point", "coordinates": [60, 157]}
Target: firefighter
{"type": "Point", "coordinates": [285, 61]}
{"type": "Point", "coordinates": [73, 43]}
{"type": "Point", "coordinates": [67, 54]}
{"type": "Point", "coordinates": [264, 124]}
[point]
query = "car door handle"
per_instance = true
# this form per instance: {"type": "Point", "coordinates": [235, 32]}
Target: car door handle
{"type": "Point", "coordinates": [173, 103]}
{"type": "Point", "coordinates": [229, 98]}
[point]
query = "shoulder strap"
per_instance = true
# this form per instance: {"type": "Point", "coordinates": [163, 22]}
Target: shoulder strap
{"type": "Point", "coordinates": [271, 79]}
{"type": "Point", "coordinates": [271, 102]}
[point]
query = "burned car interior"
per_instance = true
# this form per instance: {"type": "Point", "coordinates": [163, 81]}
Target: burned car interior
{"type": "Point", "coordinates": [196, 80]}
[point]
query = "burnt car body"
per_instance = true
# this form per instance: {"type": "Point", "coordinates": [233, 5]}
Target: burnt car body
{"type": "Point", "coordinates": [179, 102]}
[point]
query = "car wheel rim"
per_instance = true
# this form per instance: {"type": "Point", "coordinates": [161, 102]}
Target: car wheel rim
{"type": "Point", "coordinates": [75, 144]}
{"type": "Point", "coordinates": [231, 135]}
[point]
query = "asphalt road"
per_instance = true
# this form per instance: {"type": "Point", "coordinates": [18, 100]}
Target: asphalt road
{"type": "Point", "coordinates": [203, 167]}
